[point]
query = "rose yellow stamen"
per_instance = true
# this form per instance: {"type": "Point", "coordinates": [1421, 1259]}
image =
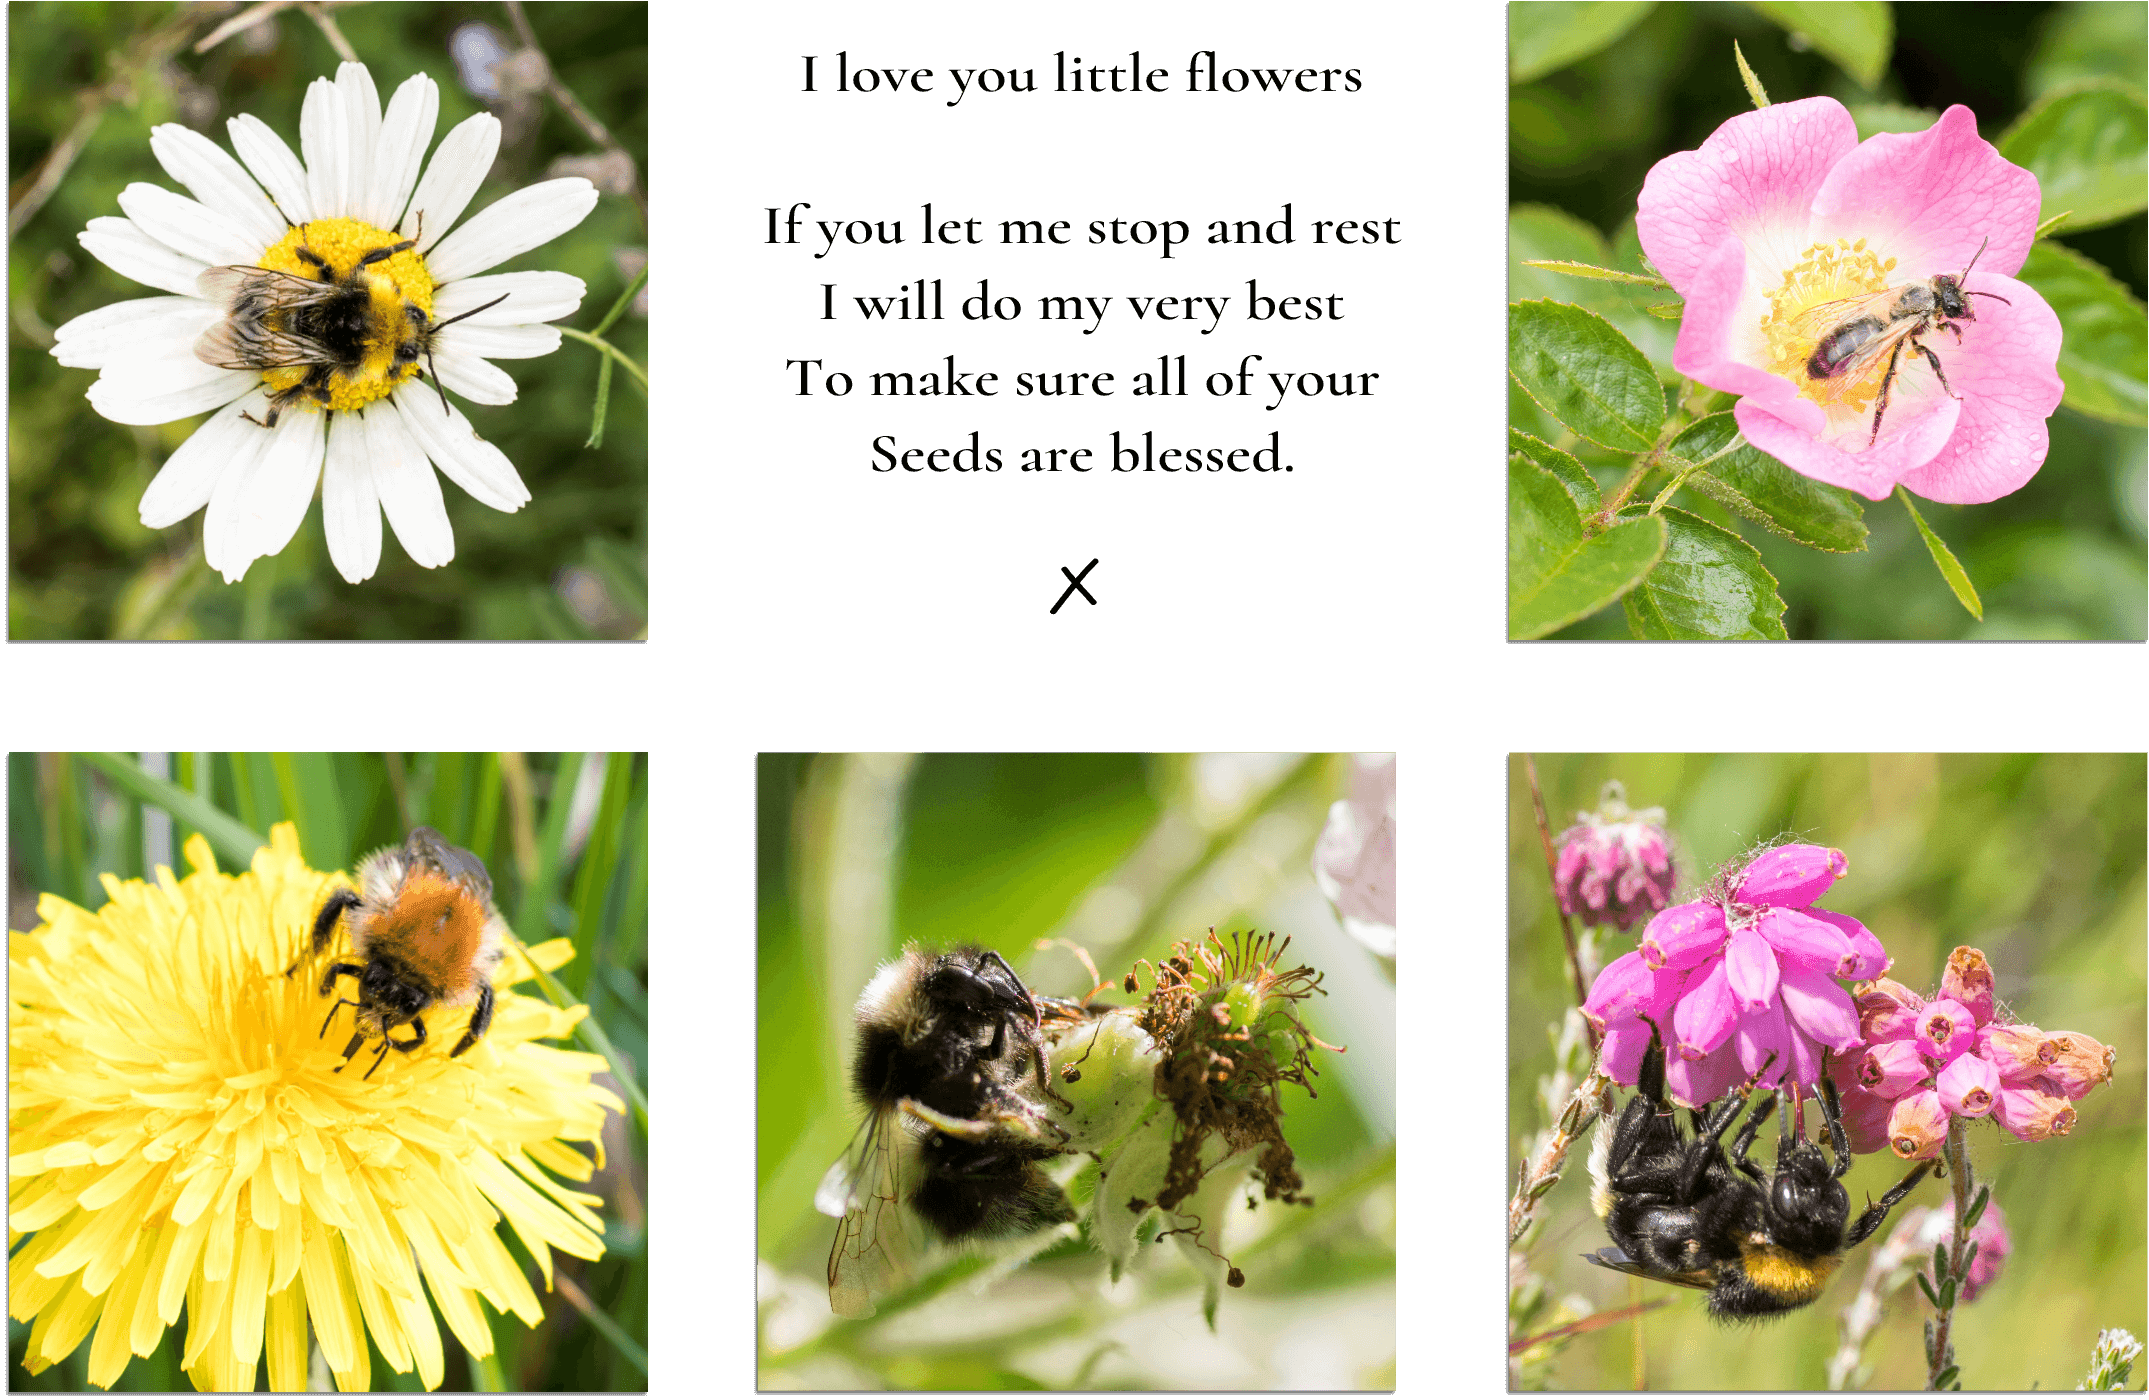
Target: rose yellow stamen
{"type": "Point", "coordinates": [1826, 272]}
{"type": "Point", "coordinates": [392, 282]}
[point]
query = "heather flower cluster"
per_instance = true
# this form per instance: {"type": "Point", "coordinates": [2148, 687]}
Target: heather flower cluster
{"type": "Point", "coordinates": [1925, 1061]}
{"type": "Point", "coordinates": [1614, 864]}
{"type": "Point", "coordinates": [1741, 982]}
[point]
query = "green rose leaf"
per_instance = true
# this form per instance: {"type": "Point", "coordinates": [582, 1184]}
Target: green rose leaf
{"type": "Point", "coordinates": [2088, 146]}
{"type": "Point", "coordinates": [1547, 36]}
{"type": "Point", "coordinates": [1582, 371]}
{"type": "Point", "coordinates": [1540, 233]}
{"type": "Point", "coordinates": [1581, 486]}
{"type": "Point", "coordinates": [2104, 349]}
{"type": "Point", "coordinates": [1556, 574]}
{"type": "Point", "coordinates": [2088, 41]}
{"type": "Point", "coordinates": [1710, 586]}
{"type": "Point", "coordinates": [1855, 37]}
{"type": "Point", "coordinates": [1747, 481]}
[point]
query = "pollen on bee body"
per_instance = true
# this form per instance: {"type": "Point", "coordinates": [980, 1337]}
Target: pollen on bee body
{"type": "Point", "coordinates": [393, 284]}
{"type": "Point", "coordinates": [341, 243]}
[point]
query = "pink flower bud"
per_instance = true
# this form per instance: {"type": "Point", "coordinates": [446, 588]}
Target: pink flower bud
{"type": "Point", "coordinates": [1917, 1125]}
{"type": "Point", "coordinates": [1967, 1086]}
{"type": "Point", "coordinates": [1614, 867]}
{"type": "Point", "coordinates": [2020, 1053]}
{"type": "Point", "coordinates": [1968, 982]}
{"type": "Point", "coordinates": [1888, 1011]}
{"type": "Point", "coordinates": [2034, 1112]}
{"type": "Point", "coordinates": [1945, 1030]}
{"type": "Point", "coordinates": [2083, 1064]}
{"type": "Point", "coordinates": [1684, 936]}
{"type": "Point", "coordinates": [1890, 1068]}
{"type": "Point", "coordinates": [1791, 877]}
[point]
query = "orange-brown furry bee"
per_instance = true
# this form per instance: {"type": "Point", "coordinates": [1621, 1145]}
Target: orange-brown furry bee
{"type": "Point", "coordinates": [426, 934]}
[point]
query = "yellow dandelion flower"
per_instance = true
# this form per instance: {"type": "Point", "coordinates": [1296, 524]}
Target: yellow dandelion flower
{"type": "Point", "coordinates": [177, 1136]}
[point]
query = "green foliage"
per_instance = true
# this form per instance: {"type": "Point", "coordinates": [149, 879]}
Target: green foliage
{"type": "Point", "coordinates": [1555, 571]}
{"type": "Point", "coordinates": [74, 817]}
{"type": "Point", "coordinates": [1584, 136]}
{"type": "Point", "coordinates": [1122, 854]}
{"type": "Point", "coordinates": [1711, 586]}
{"type": "Point", "coordinates": [569, 564]}
{"type": "Point", "coordinates": [1551, 34]}
{"type": "Point", "coordinates": [2035, 858]}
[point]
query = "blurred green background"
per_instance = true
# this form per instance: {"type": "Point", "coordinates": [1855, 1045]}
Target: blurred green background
{"type": "Point", "coordinates": [2064, 557]}
{"type": "Point", "coordinates": [2036, 859]}
{"type": "Point", "coordinates": [570, 564]}
{"type": "Point", "coordinates": [1122, 854]}
{"type": "Point", "coordinates": [565, 838]}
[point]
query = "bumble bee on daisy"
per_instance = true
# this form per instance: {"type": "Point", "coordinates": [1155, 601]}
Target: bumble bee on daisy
{"type": "Point", "coordinates": [323, 309]}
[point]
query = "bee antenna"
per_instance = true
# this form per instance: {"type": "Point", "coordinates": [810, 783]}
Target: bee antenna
{"type": "Point", "coordinates": [1973, 259]}
{"type": "Point", "coordinates": [432, 372]}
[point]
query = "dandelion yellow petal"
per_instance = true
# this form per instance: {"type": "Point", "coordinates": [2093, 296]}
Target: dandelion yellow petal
{"type": "Point", "coordinates": [110, 1350]}
{"type": "Point", "coordinates": [284, 1172]}
{"type": "Point", "coordinates": [39, 1206]}
{"type": "Point", "coordinates": [208, 1317]}
{"type": "Point", "coordinates": [331, 1300]}
{"type": "Point", "coordinates": [249, 1294]}
{"type": "Point", "coordinates": [449, 1284]}
{"type": "Point", "coordinates": [500, 1278]}
{"type": "Point", "coordinates": [60, 1328]}
{"type": "Point", "coordinates": [382, 1320]}
{"type": "Point", "coordinates": [424, 1337]}
{"type": "Point", "coordinates": [116, 1183]}
{"type": "Point", "coordinates": [179, 1268]}
{"type": "Point", "coordinates": [95, 1237]}
{"type": "Point", "coordinates": [200, 1189]}
{"type": "Point", "coordinates": [263, 1204]}
{"type": "Point", "coordinates": [287, 1339]}
{"type": "Point", "coordinates": [222, 1245]}
{"type": "Point", "coordinates": [146, 1327]}
{"type": "Point", "coordinates": [290, 1234]}
{"type": "Point", "coordinates": [28, 1291]}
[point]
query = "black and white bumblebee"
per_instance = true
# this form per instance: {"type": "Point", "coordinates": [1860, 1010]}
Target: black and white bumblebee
{"type": "Point", "coordinates": [955, 1078]}
{"type": "Point", "coordinates": [1680, 1211]}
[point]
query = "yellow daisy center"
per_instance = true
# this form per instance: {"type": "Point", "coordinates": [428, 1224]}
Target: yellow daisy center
{"type": "Point", "coordinates": [388, 286]}
{"type": "Point", "coordinates": [1825, 272]}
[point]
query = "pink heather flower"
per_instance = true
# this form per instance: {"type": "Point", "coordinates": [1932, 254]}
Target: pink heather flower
{"type": "Point", "coordinates": [1784, 210]}
{"type": "Point", "coordinates": [1354, 859]}
{"type": "Point", "coordinates": [1989, 1234]}
{"type": "Point", "coordinates": [1740, 979]}
{"type": "Point", "coordinates": [1614, 865]}
{"type": "Point", "coordinates": [1925, 1061]}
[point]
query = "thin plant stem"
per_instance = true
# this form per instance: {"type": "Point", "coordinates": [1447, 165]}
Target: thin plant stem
{"type": "Point", "coordinates": [619, 307]}
{"type": "Point", "coordinates": [1940, 1350]}
{"type": "Point", "coordinates": [1552, 863]}
{"type": "Point", "coordinates": [582, 116]}
{"type": "Point", "coordinates": [640, 378]}
{"type": "Point", "coordinates": [1542, 1172]}
{"type": "Point", "coordinates": [320, 16]}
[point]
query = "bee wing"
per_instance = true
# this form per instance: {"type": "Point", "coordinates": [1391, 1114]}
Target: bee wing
{"type": "Point", "coordinates": [244, 339]}
{"type": "Point", "coordinates": [1613, 1257]}
{"type": "Point", "coordinates": [1814, 323]}
{"type": "Point", "coordinates": [429, 848]}
{"type": "Point", "coordinates": [872, 1252]}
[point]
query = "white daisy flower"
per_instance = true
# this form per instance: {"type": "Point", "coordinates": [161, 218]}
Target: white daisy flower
{"type": "Point", "coordinates": [301, 374]}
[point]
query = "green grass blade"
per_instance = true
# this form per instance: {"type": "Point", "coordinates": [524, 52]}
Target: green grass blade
{"type": "Point", "coordinates": [234, 840]}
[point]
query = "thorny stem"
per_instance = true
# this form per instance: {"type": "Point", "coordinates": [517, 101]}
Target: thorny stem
{"type": "Point", "coordinates": [559, 92]}
{"type": "Point", "coordinates": [1940, 1350]}
{"type": "Point", "coordinates": [1643, 465]}
{"type": "Point", "coordinates": [1552, 861]}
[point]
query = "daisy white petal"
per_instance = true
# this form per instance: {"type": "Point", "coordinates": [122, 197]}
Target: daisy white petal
{"type": "Point", "coordinates": [500, 342]}
{"type": "Point", "coordinates": [186, 225]}
{"type": "Point", "coordinates": [409, 491]}
{"type": "Point", "coordinates": [456, 171]}
{"type": "Point", "coordinates": [472, 377]}
{"type": "Point", "coordinates": [110, 332]}
{"type": "Point", "coordinates": [222, 541]}
{"type": "Point", "coordinates": [145, 390]}
{"type": "Point", "coordinates": [412, 114]}
{"type": "Point", "coordinates": [273, 164]}
{"type": "Point", "coordinates": [362, 134]}
{"type": "Point", "coordinates": [217, 181]}
{"type": "Point", "coordinates": [515, 224]}
{"type": "Point", "coordinates": [350, 509]}
{"type": "Point", "coordinates": [131, 253]}
{"type": "Point", "coordinates": [226, 443]}
{"type": "Point", "coordinates": [324, 134]}
{"type": "Point", "coordinates": [467, 459]}
{"type": "Point", "coordinates": [268, 513]}
{"type": "Point", "coordinates": [531, 297]}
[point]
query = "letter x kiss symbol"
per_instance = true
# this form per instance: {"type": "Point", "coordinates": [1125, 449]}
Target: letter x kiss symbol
{"type": "Point", "coordinates": [1074, 585]}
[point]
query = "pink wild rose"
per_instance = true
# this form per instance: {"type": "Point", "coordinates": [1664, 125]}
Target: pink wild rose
{"type": "Point", "coordinates": [1784, 226]}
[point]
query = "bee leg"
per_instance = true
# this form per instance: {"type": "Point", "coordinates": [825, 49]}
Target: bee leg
{"type": "Point", "coordinates": [1832, 1111]}
{"type": "Point", "coordinates": [1934, 361]}
{"type": "Point", "coordinates": [349, 1051]}
{"type": "Point", "coordinates": [381, 254]}
{"type": "Point", "coordinates": [480, 1021]}
{"type": "Point", "coordinates": [332, 1016]}
{"type": "Point", "coordinates": [385, 1043]}
{"type": "Point", "coordinates": [1876, 1213]}
{"type": "Point", "coordinates": [336, 970]}
{"type": "Point", "coordinates": [324, 923]}
{"type": "Point", "coordinates": [1748, 1132]}
{"type": "Point", "coordinates": [320, 264]}
{"type": "Point", "coordinates": [1885, 380]}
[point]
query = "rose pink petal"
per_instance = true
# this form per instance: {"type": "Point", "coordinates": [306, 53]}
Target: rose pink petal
{"type": "Point", "coordinates": [1683, 935]}
{"type": "Point", "coordinates": [1750, 964]}
{"type": "Point", "coordinates": [1820, 1008]}
{"type": "Point", "coordinates": [1711, 346]}
{"type": "Point", "coordinates": [1806, 1054]}
{"type": "Point", "coordinates": [1802, 939]}
{"type": "Point", "coordinates": [1625, 1045]}
{"type": "Point", "coordinates": [1871, 473]}
{"type": "Point", "coordinates": [1763, 1040]}
{"type": "Point", "coordinates": [1703, 1081]}
{"type": "Point", "coordinates": [1868, 958]}
{"type": "Point", "coordinates": [1930, 198]}
{"type": "Point", "coordinates": [1629, 988]}
{"type": "Point", "coordinates": [2009, 388]}
{"type": "Point", "coordinates": [1707, 1013]}
{"type": "Point", "coordinates": [1754, 179]}
{"type": "Point", "coordinates": [1968, 1086]}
